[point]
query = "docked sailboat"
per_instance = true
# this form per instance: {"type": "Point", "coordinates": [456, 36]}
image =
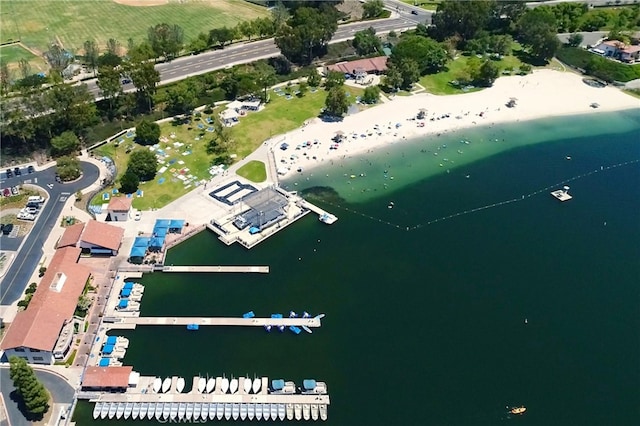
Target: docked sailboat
{"type": "Point", "coordinates": [180, 384]}
{"type": "Point", "coordinates": [267, 327]}
{"type": "Point", "coordinates": [246, 384]}
{"type": "Point", "coordinates": [197, 410]}
{"type": "Point", "coordinates": [292, 314]}
{"type": "Point", "coordinates": [202, 384]}
{"type": "Point", "coordinates": [188, 414]}
{"type": "Point", "coordinates": [314, 412]}
{"type": "Point", "coordinates": [104, 411]}
{"type": "Point", "coordinates": [235, 411]}
{"type": "Point", "coordinates": [281, 411]}
{"type": "Point", "coordinates": [166, 410]}
{"type": "Point", "coordinates": [157, 384]}
{"type": "Point", "coordinates": [113, 407]}
{"type": "Point", "coordinates": [174, 410]}
{"type": "Point", "coordinates": [219, 411]}
{"type": "Point", "coordinates": [227, 410]}
{"type": "Point", "coordinates": [305, 314]}
{"type": "Point", "coordinates": [266, 411]}
{"type": "Point", "coordinates": [323, 412]}
{"type": "Point", "coordinates": [224, 386]}
{"type": "Point", "coordinates": [257, 383]}
{"type": "Point", "coordinates": [289, 411]}
{"type": "Point", "coordinates": [211, 384]}
{"type": "Point", "coordinates": [120, 410]}
{"type": "Point", "coordinates": [297, 410]}
{"type": "Point", "coordinates": [233, 385]}
{"type": "Point", "coordinates": [128, 408]}
{"type": "Point", "coordinates": [251, 411]}
{"type": "Point", "coordinates": [212, 411]}
{"type": "Point", "coordinates": [182, 409]}
{"type": "Point", "coordinates": [135, 412]}
{"type": "Point", "coordinates": [258, 411]}
{"type": "Point", "coordinates": [96, 409]}
{"type": "Point", "coordinates": [274, 411]}
{"type": "Point", "coordinates": [306, 411]}
{"type": "Point", "coordinates": [166, 384]}
{"type": "Point", "coordinates": [143, 410]}
{"type": "Point", "coordinates": [243, 411]}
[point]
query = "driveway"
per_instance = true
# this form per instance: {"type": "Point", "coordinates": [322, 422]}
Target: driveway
{"type": "Point", "coordinates": [60, 390]}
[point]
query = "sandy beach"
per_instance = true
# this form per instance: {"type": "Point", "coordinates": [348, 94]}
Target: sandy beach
{"type": "Point", "coordinates": [544, 93]}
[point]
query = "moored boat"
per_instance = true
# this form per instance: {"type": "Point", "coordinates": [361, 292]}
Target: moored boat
{"type": "Point", "coordinates": [144, 407]}
{"type": "Point", "coordinates": [211, 384]}
{"type": "Point", "coordinates": [212, 411]}
{"type": "Point", "coordinates": [305, 314]}
{"type": "Point", "coordinates": [202, 384]}
{"type": "Point", "coordinates": [307, 329]}
{"type": "Point", "coordinates": [128, 408]}
{"type": "Point", "coordinates": [323, 412]}
{"type": "Point", "coordinates": [235, 411]}
{"type": "Point", "coordinates": [251, 411]}
{"type": "Point", "coordinates": [289, 411]}
{"type": "Point", "coordinates": [281, 411]}
{"type": "Point", "coordinates": [120, 410]}
{"type": "Point", "coordinates": [174, 410]}
{"type": "Point", "coordinates": [224, 386]}
{"type": "Point", "coordinates": [97, 408]}
{"type": "Point", "coordinates": [233, 385]}
{"type": "Point", "coordinates": [197, 410]}
{"type": "Point", "coordinates": [297, 410]}
{"type": "Point", "coordinates": [104, 411]}
{"type": "Point", "coordinates": [246, 385]}
{"type": "Point", "coordinates": [257, 383]}
{"type": "Point", "coordinates": [314, 412]}
{"type": "Point", "coordinates": [188, 414]}
{"type": "Point", "coordinates": [166, 410]}
{"type": "Point", "coordinates": [180, 384]}
{"type": "Point", "coordinates": [166, 384]}
{"type": "Point", "coordinates": [157, 384]}
{"type": "Point", "coordinates": [135, 412]}
{"type": "Point", "coordinates": [518, 410]}
{"type": "Point", "coordinates": [266, 411]}
{"type": "Point", "coordinates": [292, 314]}
{"type": "Point", "coordinates": [243, 411]}
{"type": "Point", "coordinates": [113, 407]}
{"type": "Point", "coordinates": [267, 327]}
{"type": "Point", "coordinates": [306, 411]}
{"type": "Point", "coordinates": [274, 411]}
{"type": "Point", "coordinates": [182, 409]}
{"type": "Point", "coordinates": [258, 411]}
{"type": "Point", "coordinates": [227, 410]}
{"type": "Point", "coordinates": [219, 411]}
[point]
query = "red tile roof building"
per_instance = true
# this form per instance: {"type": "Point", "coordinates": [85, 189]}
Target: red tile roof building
{"type": "Point", "coordinates": [107, 378]}
{"type": "Point", "coordinates": [118, 209]}
{"type": "Point", "coordinates": [361, 66]}
{"type": "Point", "coordinates": [100, 237]}
{"type": "Point", "coordinates": [71, 236]}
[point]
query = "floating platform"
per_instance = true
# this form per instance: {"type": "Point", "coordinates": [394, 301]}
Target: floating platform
{"type": "Point", "coordinates": [132, 322]}
{"type": "Point", "coordinates": [562, 194]}
{"type": "Point", "coordinates": [246, 269]}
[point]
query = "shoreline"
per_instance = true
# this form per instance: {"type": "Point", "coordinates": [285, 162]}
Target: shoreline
{"type": "Point", "coordinates": [543, 94]}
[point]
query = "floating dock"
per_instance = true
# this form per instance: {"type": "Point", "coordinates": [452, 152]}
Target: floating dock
{"type": "Point", "coordinates": [562, 194]}
{"type": "Point", "coordinates": [132, 322]}
{"type": "Point", "coordinates": [246, 269]}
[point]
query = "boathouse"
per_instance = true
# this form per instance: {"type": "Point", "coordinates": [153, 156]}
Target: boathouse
{"type": "Point", "coordinates": [109, 379]}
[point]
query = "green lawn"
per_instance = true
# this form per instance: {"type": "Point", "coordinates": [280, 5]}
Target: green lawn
{"type": "Point", "coordinates": [279, 116]}
{"type": "Point", "coordinates": [255, 171]}
{"type": "Point", "coordinates": [39, 22]}
{"type": "Point", "coordinates": [11, 55]}
{"type": "Point", "coordinates": [424, 4]}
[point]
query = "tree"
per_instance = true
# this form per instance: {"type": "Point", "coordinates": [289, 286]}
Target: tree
{"type": "Point", "coordinates": [366, 41]}
{"type": "Point", "coordinates": [247, 29]}
{"type": "Point", "coordinates": [462, 17]}
{"type": "Point", "coordinates": [109, 84]}
{"type": "Point", "coordinates": [337, 103]}
{"type": "Point", "coordinates": [147, 132]}
{"type": "Point", "coordinates": [74, 107]}
{"type": "Point", "coordinates": [371, 95]}
{"type": "Point", "coordinates": [5, 78]}
{"type": "Point", "coordinates": [488, 73]}
{"type": "Point", "coordinates": [265, 26]}
{"type": "Point", "coordinates": [222, 142]}
{"type": "Point", "coordinates": [91, 54]}
{"type": "Point", "coordinates": [65, 144]}
{"type": "Point", "coordinates": [537, 29]}
{"type": "Point", "coordinates": [372, 8]}
{"type": "Point", "coordinates": [129, 182]}
{"type": "Point", "coordinates": [183, 97]}
{"type": "Point", "coordinates": [68, 168]}
{"type": "Point", "coordinates": [220, 35]}
{"type": "Point", "coordinates": [200, 43]}
{"type": "Point", "coordinates": [334, 79]}
{"type": "Point", "coordinates": [145, 77]}
{"type": "Point", "coordinates": [314, 78]}
{"type": "Point", "coordinates": [410, 72]}
{"type": "Point", "coordinates": [279, 14]}
{"type": "Point", "coordinates": [25, 67]}
{"type": "Point", "coordinates": [280, 64]}
{"type": "Point", "coordinates": [575, 39]}
{"type": "Point", "coordinates": [430, 55]}
{"type": "Point", "coordinates": [166, 40]}
{"type": "Point", "coordinates": [143, 163]}
{"type": "Point", "coordinates": [29, 388]}
{"type": "Point", "coordinates": [113, 47]}
{"type": "Point", "coordinates": [109, 59]}
{"type": "Point", "coordinates": [141, 53]}
{"type": "Point", "coordinates": [265, 77]}
{"type": "Point", "coordinates": [393, 78]}
{"type": "Point", "coordinates": [58, 58]}
{"type": "Point", "coordinates": [84, 302]}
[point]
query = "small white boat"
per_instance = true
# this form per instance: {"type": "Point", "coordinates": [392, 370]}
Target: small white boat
{"type": "Point", "coordinates": [235, 411]}
{"type": "Point", "coordinates": [289, 411]}
{"type": "Point", "coordinates": [233, 386]}
{"type": "Point", "coordinates": [212, 411]}
{"type": "Point", "coordinates": [258, 411]}
{"type": "Point", "coordinates": [97, 408]}
{"type": "Point", "coordinates": [257, 383]}
{"type": "Point", "coordinates": [266, 411]}
{"type": "Point", "coordinates": [323, 412]}
{"type": "Point", "coordinates": [135, 412]}
{"type": "Point", "coordinates": [314, 412]}
{"type": "Point", "coordinates": [113, 407]}
{"type": "Point", "coordinates": [167, 411]}
{"type": "Point", "coordinates": [305, 314]}
{"type": "Point", "coordinates": [166, 384]}
{"type": "Point", "coordinates": [274, 411]}
{"type": "Point", "coordinates": [120, 410]}
{"type": "Point", "coordinates": [144, 407]}
{"type": "Point", "coordinates": [128, 408]}
{"type": "Point", "coordinates": [188, 414]}
{"type": "Point", "coordinates": [243, 411]}
{"type": "Point", "coordinates": [174, 410]}
{"type": "Point", "coordinates": [306, 411]}
{"type": "Point", "coordinates": [219, 411]}
{"type": "Point", "coordinates": [157, 384]}
{"type": "Point", "coordinates": [281, 411]}
{"type": "Point", "coordinates": [104, 411]}
{"type": "Point", "coordinates": [224, 386]}
{"type": "Point", "coordinates": [202, 384]}
{"type": "Point", "coordinates": [211, 384]}
{"type": "Point", "coordinates": [182, 409]}
{"type": "Point", "coordinates": [227, 410]}
{"type": "Point", "coordinates": [162, 410]}
{"type": "Point", "coordinates": [197, 411]}
{"type": "Point", "coordinates": [180, 384]}
{"type": "Point", "coordinates": [247, 385]}
{"type": "Point", "coordinates": [251, 411]}
{"type": "Point", "coordinates": [297, 409]}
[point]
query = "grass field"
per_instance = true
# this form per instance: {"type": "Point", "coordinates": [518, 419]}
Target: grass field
{"type": "Point", "coordinates": [424, 4]}
{"type": "Point", "coordinates": [255, 171]}
{"type": "Point", "coordinates": [279, 116]}
{"type": "Point", "coordinates": [10, 55]}
{"type": "Point", "coordinates": [40, 22]}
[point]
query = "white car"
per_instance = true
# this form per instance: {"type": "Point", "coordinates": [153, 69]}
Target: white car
{"type": "Point", "coordinates": [138, 215]}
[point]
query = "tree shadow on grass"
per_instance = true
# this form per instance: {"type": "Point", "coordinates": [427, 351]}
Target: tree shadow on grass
{"type": "Point", "coordinates": [15, 397]}
{"type": "Point", "coordinates": [527, 58]}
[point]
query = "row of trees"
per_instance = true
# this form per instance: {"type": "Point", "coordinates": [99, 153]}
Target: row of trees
{"type": "Point", "coordinates": [33, 394]}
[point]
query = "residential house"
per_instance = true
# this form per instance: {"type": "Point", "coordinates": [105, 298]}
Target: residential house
{"type": "Point", "coordinates": [119, 209]}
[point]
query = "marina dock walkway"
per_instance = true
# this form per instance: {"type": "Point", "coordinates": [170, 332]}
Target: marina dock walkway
{"type": "Point", "coordinates": [246, 269]}
{"type": "Point", "coordinates": [131, 322]}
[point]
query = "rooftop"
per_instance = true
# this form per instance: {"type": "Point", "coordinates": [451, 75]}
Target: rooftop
{"type": "Point", "coordinates": [120, 204]}
{"type": "Point", "coordinates": [377, 64]}
{"type": "Point", "coordinates": [71, 235]}
{"type": "Point", "coordinates": [102, 234]}
{"type": "Point", "coordinates": [107, 377]}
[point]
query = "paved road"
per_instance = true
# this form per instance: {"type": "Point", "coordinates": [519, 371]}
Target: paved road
{"type": "Point", "coordinates": [588, 38]}
{"type": "Point", "coordinates": [30, 253]}
{"type": "Point", "coordinates": [249, 52]}
{"type": "Point", "coordinates": [61, 392]}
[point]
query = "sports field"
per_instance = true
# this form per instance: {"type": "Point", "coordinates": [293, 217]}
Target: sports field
{"type": "Point", "coordinates": [11, 55]}
{"type": "Point", "coordinates": [40, 22]}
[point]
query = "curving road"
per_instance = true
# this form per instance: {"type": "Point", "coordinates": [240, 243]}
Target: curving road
{"type": "Point", "coordinates": [251, 51]}
{"type": "Point", "coordinates": [29, 248]}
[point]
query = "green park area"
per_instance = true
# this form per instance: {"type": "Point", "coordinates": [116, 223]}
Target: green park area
{"type": "Point", "coordinates": [11, 55]}
{"type": "Point", "coordinates": [37, 23]}
{"type": "Point", "coordinates": [183, 145]}
{"type": "Point", "coordinates": [424, 4]}
{"type": "Point", "coordinates": [255, 171]}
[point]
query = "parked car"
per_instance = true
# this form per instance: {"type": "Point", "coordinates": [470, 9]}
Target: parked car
{"type": "Point", "coordinates": [414, 12]}
{"type": "Point", "coordinates": [32, 210]}
{"type": "Point", "coordinates": [36, 199]}
{"type": "Point", "coordinates": [58, 179]}
{"type": "Point", "coordinates": [7, 229]}
{"type": "Point", "coordinates": [138, 215]}
{"type": "Point", "coordinates": [9, 173]}
{"type": "Point", "coordinates": [17, 171]}
{"type": "Point", "coordinates": [6, 192]}
{"type": "Point", "coordinates": [15, 190]}
{"type": "Point", "coordinates": [1, 227]}
{"type": "Point", "coordinates": [30, 169]}
{"type": "Point", "coordinates": [26, 216]}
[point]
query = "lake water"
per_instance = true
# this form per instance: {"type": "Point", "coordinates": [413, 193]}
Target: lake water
{"type": "Point", "coordinates": [426, 304]}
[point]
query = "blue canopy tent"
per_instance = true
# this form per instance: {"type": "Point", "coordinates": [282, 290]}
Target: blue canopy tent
{"type": "Point", "coordinates": [160, 232]}
{"type": "Point", "coordinates": [107, 349]}
{"type": "Point", "coordinates": [162, 223]}
{"type": "Point", "coordinates": [128, 284]}
{"type": "Point", "coordinates": [141, 242]}
{"type": "Point", "coordinates": [137, 254]}
{"type": "Point", "coordinates": [123, 304]}
{"type": "Point", "coordinates": [104, 362]}
{"type": "Point", "coordinates": [126, 292]}
{"type": "Point", "coordinates": [176, 225]}
{"type": "Point", "coordinates": [111, 340]}
{"type": "Point", "coordinates": [156, 244]}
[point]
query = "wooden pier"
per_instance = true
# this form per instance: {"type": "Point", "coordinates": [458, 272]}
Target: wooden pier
{"type": "Point", "coordinates": [223, 269]}
{"type": "Point", "coordinates": [131, 322]}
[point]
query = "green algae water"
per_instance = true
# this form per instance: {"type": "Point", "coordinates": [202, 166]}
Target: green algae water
{"type": "Point", "coordinates": [427, 325]}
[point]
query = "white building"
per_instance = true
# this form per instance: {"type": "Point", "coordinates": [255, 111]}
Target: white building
{"type": "Point", "coordinates": [119, 209]}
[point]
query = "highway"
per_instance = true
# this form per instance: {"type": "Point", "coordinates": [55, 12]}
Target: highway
{"type": "Point", "coordinates": [241, 53]}
{"type": "Point", "coordinates": [30, 251]}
